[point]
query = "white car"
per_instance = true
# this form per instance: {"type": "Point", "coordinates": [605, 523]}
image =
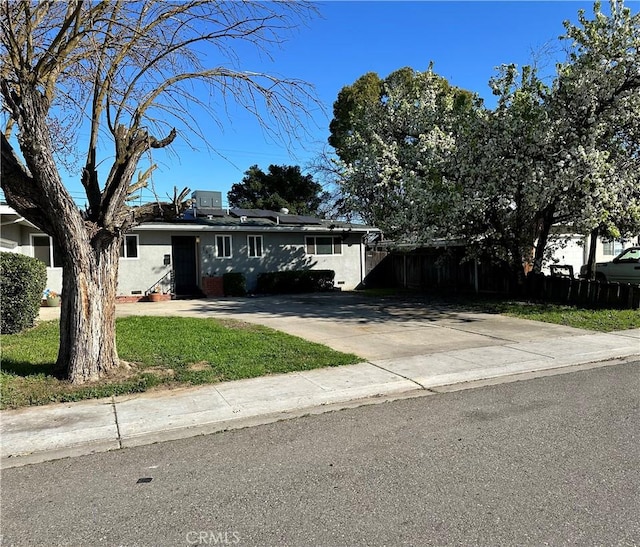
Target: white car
{"type": "Point", "coordinates": [624, 268]}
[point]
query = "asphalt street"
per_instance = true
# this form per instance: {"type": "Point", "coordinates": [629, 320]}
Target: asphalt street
{"type": "Point", "coordinates": [554, 460]}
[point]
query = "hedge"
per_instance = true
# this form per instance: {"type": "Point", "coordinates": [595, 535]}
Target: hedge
{"type": "Point", "coordinates": [295, 281]}
{"type": "Point", "coordinates": [234, 284]}
{"type": "Point", "coordinates": [23, 281]}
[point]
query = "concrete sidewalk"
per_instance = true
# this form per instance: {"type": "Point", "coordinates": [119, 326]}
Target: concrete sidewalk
{"type": "Point", "coordinates": [39, 434]}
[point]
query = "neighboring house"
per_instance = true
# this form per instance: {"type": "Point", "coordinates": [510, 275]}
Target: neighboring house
{"type": "Point", "coordinates": [183, 256]}
{"type": "Point", "coordinates": [574, 251]}
{"type": "Point", "coordinates": [444, 263]}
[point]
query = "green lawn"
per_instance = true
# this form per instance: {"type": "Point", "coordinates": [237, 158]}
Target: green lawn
{"type": "Point", "coordinates": [164, 352]}
{"type": "Point", "coordinates": [605, 320]}
{"type": "Point", "coordinates": [597, 320]}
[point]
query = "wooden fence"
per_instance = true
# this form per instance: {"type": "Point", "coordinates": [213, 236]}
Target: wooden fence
{"type": "Point", "coordinates": [583, 292]}
{"type": "Point", "coordinates": [434, 268]}
{"type": "Point", "coordinates": [444, 270]}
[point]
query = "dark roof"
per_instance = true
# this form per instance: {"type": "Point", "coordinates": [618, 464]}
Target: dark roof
{"type": "Point", "coordinates": [206, 216]}
{"type": "Point", "coordinates": [299, 220]}
{"type": "Point", "coordinates": [253, 213]}
{"type": "Point", "coordinates": [249, 216]}
{"type": "Point", "coordinates": [279, 218]}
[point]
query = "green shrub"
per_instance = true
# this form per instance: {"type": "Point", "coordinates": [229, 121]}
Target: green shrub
{"type": "Point", "coordinates": [23, 281]}
{"type": "Point", "coordinates": [295, 281]}
{"type": "Point", "coordinates": [234, 284]}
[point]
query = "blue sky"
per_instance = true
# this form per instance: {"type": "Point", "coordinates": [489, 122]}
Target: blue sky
{"type": "Point", "coordinates": [465, 40]}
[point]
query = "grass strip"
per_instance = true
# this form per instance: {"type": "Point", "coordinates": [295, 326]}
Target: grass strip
{"type": "Point", "coordinates": [601, 320]}
{"type": "Point", "coordinates": [604, 320]}
{"type": "Point", "coordinates": [164, 352]}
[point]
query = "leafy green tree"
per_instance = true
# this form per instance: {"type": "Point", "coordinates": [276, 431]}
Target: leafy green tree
{"type": "Point", "coordinates": [282, 186]}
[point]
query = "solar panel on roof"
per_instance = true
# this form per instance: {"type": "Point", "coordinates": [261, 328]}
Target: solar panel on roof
{"type": "Point", "coordinates": [252, 213]}
{"type": "Point", "coordinates": [276, 217]}
{"type": "Point", "coordinates": [299, 219]}
{"type": "Point", "coordinates": [210, 211]}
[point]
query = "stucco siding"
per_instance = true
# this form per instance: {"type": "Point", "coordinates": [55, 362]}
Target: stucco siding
{"type": "Point", "coordinates": [10, 238]}
{"type": "Point", "coordinates": [279, 248]}
{"type": "Point", "coordinates": [280, 251]}
{"type": "Point", "coordinates": [575, 251]}
{"type": "Point", "coordinates": [138, 275]}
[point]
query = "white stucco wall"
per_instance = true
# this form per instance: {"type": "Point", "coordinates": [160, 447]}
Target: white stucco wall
{"type": "Point", "coordinates": [576, 253]}
{"type": "Point", "coordinates": [140, 274]}
{"type": "Point", "coordinates": [18, 240]}
{"type": "Point", "coordinates": [283, 249]}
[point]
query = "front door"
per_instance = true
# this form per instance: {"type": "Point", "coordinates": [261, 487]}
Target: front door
{"type": "Point", "coordinates": [184, 265]}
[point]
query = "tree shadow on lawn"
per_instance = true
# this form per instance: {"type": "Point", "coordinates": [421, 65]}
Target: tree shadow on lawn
{"type": "Point", "coordinates": [25, 368]}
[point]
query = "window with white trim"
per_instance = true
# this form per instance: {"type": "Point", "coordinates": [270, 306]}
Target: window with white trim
{"type": "Point", "coordinates": [129, 246]}
{"type": "Point", "coordinates": [323, 245]}
{"type": "Point", "coordinates": [254, 245]}
{"type": "Point", "coordinates": [612, 248]}
{"type": "Point", "coordinates": [223, 246]}
{"type": "Point", "coordinates": [44, 249]}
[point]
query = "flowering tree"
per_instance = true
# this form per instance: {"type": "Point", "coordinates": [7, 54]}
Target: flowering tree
{"type": "Point", "coordinates": [565, 154]}
{"type": "Point", "coordinates": [131, 75]}
{"type": "Point", "coordinates": [420, 158]}
{"type": "Point", "coordinates": [596, 103]}
{"type": "Point", "coordinates": [502, 168]}
{"type": "Point", "coordinates": [394, 138]}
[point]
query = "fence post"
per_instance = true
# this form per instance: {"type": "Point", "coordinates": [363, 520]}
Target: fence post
{"type": "Point", "coordinates": [635, 297]}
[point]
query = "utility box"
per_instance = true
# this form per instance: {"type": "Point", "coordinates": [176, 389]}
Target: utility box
{"type": "Point", "coordinates": [207, 200]}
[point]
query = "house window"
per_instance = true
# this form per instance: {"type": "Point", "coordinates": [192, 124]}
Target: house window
{"type": "Point", "coordinates": [43, 249]}
{"type": "Point", "coordinates": [129, 247]}
{"type": "Point", "coordinates": [612, 248]}
{"type": "Point", "coordinates": [223, 246]}
{"type": "Point", "coordinates": [324, 245]}
{"type": "Point", "coordinates": [254, 243]}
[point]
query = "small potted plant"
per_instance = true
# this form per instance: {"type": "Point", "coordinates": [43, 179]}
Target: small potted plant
{"type": "Point", "coordinates": [156, 294]}
{"type": "Point", "coordinates": [52, 298]}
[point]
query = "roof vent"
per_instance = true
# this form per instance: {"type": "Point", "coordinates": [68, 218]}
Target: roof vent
{"type": "Point", "coordinates": [284, 211]}
{"type": "Point", "coordinates": [243, 218]}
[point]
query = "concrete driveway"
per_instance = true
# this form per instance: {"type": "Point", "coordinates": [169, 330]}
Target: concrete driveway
{"type": "Point", "coordinates": [370, 327]}
{"type": "Point", "coordinates": [408, 346]}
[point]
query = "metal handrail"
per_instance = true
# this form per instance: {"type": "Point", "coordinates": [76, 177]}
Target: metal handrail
{"type": "Point", "coordinates": [171, 277]}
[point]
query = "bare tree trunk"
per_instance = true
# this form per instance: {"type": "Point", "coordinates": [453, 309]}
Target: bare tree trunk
{"type": "Point", "coordinates": [87, 319]}
{"type": "Point", "coordinates": [543, 238]}
{"type": "Point", "coordinates": [591, 262]}
{"type": "Point", "coordinates": [517, 271]}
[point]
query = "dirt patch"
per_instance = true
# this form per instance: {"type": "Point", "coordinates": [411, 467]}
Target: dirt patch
{"type": "Point", "coordinates": [239, 325]}
{"type": "Point", "coordinates": [201, 365]}
{"type": "Point", "coordinates": [125, 371]}
{"type": "Point", "coordinates": [161, 372]}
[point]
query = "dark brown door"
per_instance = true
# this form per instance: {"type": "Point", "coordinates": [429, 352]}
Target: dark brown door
{"type": "Point", "coordinates": [184, 265]}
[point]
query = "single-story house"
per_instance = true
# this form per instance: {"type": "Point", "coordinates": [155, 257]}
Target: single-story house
{"type": "Point", "coordinates": [184, 256]}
